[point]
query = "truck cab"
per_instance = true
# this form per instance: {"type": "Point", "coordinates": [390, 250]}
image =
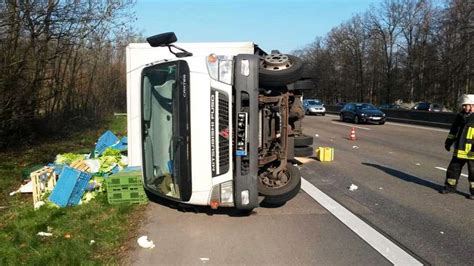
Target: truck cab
{"type": "Point", "coordinates": [216, 129]}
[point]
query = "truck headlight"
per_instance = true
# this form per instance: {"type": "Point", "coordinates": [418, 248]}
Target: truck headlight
{"type": "Point", "coordinates": [227, 195]}
{"type": "Point", "coordinates": [220, 68]}
{"type": "Point", "coordinates": [222, 195]}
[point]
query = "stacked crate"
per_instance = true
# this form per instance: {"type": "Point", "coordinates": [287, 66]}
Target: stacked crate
{"type": "Point", "coordinates": [125, 187]}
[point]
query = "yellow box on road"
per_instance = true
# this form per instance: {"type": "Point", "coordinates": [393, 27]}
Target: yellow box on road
{"type": "Point", "coordinates": [325, 154]}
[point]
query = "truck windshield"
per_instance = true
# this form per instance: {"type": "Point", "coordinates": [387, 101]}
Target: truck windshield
{"type": "Point", "coordinates": [165, 131]}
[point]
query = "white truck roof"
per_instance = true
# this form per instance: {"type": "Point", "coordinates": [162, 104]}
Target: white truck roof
{"type": "Point", "coordinates": [141, 54]}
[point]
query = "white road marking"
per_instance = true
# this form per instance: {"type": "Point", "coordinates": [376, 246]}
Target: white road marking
{"type": "Point", "coordinates": [383, 245]}
{"type": "Point", "coordinates": [444, 169]}
{"type": "Point", "coordinates": [346, 125]}
{"type": "Point", "coordinates": [418, 127]}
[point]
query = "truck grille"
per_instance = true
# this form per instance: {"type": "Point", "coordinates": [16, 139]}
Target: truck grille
{"type": "Point", "coordinates": [220, 134]}
{"type": "Point", "coordinates": [223, 133]}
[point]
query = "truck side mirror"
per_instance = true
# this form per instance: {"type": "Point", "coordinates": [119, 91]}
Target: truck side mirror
{"type": "Point", "coordinates": [163, 39]}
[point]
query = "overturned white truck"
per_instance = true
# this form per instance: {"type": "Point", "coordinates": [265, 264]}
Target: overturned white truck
{"type": "Point", "coordinates": [215, 123]}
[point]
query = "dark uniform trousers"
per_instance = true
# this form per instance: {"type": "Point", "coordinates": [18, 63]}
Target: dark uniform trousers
{"type": "Point", "coordinates": [454, 171]}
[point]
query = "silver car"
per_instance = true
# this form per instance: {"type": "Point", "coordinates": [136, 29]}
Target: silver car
{"type": "Point", "coordinates": [313, 107]}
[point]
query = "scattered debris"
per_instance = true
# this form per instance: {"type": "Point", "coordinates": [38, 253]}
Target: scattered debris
{"type": "Point", "coordinates": [380, 188]}
{"type": "Point", "coordinates": [67, 235]}
{"type": "Point", "coordinates": [204, 259]}
{"type": "Point", "coordinates": [355, 147]}
{"type": "Point", "coordinates": [418, 164]}
{"type": "Point", "coordinates": [390, 152]}
{"type": "Point", "coordinates": [145, 243]}
{"type": "Point", "coordinates": [44, 234]}
{"type": "Point", "coordinates": [26, 188]}
{"type": "Point", "coordinates": [353, 187]}
{"type": "Point", "coordinates": [316, 135]}
{"type": "Point", "coordinates": [77, 178]}
{"type": "Point", "coordinates": [38, 204]}
{"type": "Point", "coordinates": [93, 164]}
{"type": "Point", "coordinates": [92, 242]}
{"type": "Point", "coordinates": [442, 232]}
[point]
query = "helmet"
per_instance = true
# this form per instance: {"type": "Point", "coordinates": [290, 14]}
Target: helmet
{"type": "Point", "coordinates": [466, 99]}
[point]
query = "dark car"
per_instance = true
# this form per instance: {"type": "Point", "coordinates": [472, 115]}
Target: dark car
{"type": "Point", "coordinates": [362, 113]}
{"type": "Point", "coordinates": [389, 106]}
{"type": "Point", "coordinates": [426, 106]}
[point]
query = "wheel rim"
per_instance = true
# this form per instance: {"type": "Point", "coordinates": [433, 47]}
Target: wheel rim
{"type": "Point", "coordinates": [276, 62]}
{"type": "Point", "coordinates": [283, 179]}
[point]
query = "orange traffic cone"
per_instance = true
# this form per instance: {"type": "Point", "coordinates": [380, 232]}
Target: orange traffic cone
{"type": "Point", "coordinates": [352, 136]}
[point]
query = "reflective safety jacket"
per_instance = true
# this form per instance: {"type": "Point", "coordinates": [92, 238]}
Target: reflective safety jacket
{"type": "Point", "coordinates": [462, 134]}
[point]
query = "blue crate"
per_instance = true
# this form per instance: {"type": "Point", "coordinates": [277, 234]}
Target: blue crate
{"type": "Point", "coordinates": [122, 145]}
{"type": "Point", "coordinates": [107, 139]}
{"type": "Point", "coordinates": [70, 187]}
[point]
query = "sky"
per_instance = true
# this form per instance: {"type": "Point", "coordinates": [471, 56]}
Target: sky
{"type": "Point", "coordinates": [284, 25]}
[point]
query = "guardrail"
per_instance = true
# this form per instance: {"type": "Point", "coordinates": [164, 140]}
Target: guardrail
{"type": "Point", "coordinates": [425, 118]}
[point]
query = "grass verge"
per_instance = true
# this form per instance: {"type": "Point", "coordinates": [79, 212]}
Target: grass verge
{"type": "Point", "coordinates": [91, 233]}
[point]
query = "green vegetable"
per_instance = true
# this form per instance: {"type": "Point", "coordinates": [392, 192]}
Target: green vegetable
{"type": "Point", "coordinates": [68, 158]}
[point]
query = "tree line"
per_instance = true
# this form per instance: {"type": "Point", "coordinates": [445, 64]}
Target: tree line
{"type": "Point", "coordinates": [399, 50]}
{"type": "Point", "coordinates": [62, 62]}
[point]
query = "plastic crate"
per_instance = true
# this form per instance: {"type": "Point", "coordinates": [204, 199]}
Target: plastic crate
{"type": "Point", "coordinates": [126, 194]}
{"type": "Point", "coordinates": [126, 187]}
{"type": "Point", "coordinates": [107, 139]}
{"type": "Point", "coordinates": [125, 178]}
{"type": "Point", "coordinates": [325, 154]}
{"type": "Point", "coordinates": [69, 187]}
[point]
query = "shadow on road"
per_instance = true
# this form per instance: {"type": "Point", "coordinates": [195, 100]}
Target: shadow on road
{"type": "Point", "coordinates": [409, 178]}
{"type": "Point", "coordinates": [182, 207]}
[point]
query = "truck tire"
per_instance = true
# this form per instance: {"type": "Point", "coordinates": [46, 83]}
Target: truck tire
{"type": "Point", "coordinates": [304, 85]}
{"type": "Point", "coordinates": [303, 140]}
{"type": "Point", "coordinates": [279, 196]}
{"type": "Point", "coordinates": [278, 70]}
{"type": "Point", "coordinates": [303, 151]}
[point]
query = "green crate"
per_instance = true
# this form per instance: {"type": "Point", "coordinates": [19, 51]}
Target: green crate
{"type": "Point", "coordinates": [130, 194]}
{"type": "Point", "coordinates": [132, 178]}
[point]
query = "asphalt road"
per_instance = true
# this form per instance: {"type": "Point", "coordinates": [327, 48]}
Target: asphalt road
{"type": "Point", "coordinates": [394, 167]}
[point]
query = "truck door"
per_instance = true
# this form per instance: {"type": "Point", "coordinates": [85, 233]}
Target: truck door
{"type": "Point", "coordinates": [165, 130]}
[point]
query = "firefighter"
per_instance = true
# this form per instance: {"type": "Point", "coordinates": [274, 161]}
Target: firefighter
{"type": "Point", "coordinates": [462, 135]}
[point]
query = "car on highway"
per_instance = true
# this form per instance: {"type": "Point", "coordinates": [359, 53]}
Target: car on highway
{"type": "Point", "coordinates": [427, 106]}
{"type": "Point", "coordinates": [389, 106]}
{"type": "Point", "coordinates": [313, 107]}
{"type": "Point", "coordinates": [362, 113]}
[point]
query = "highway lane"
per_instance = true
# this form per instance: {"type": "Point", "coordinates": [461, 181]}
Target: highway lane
{"type": "Point", "coordinates": [394, 166]}
{"type": "Point", "coordinates": [299, 233]}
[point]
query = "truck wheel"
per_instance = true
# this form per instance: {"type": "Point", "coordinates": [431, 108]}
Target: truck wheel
{"type": "Point", "coordinates": [279, 195]}
{"type": "Point", "coordinates": [305, 151]}
{"type": "Point", "coordinates": [277, 70]}
{"type": "Point", "coordinates": [303, 141]}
